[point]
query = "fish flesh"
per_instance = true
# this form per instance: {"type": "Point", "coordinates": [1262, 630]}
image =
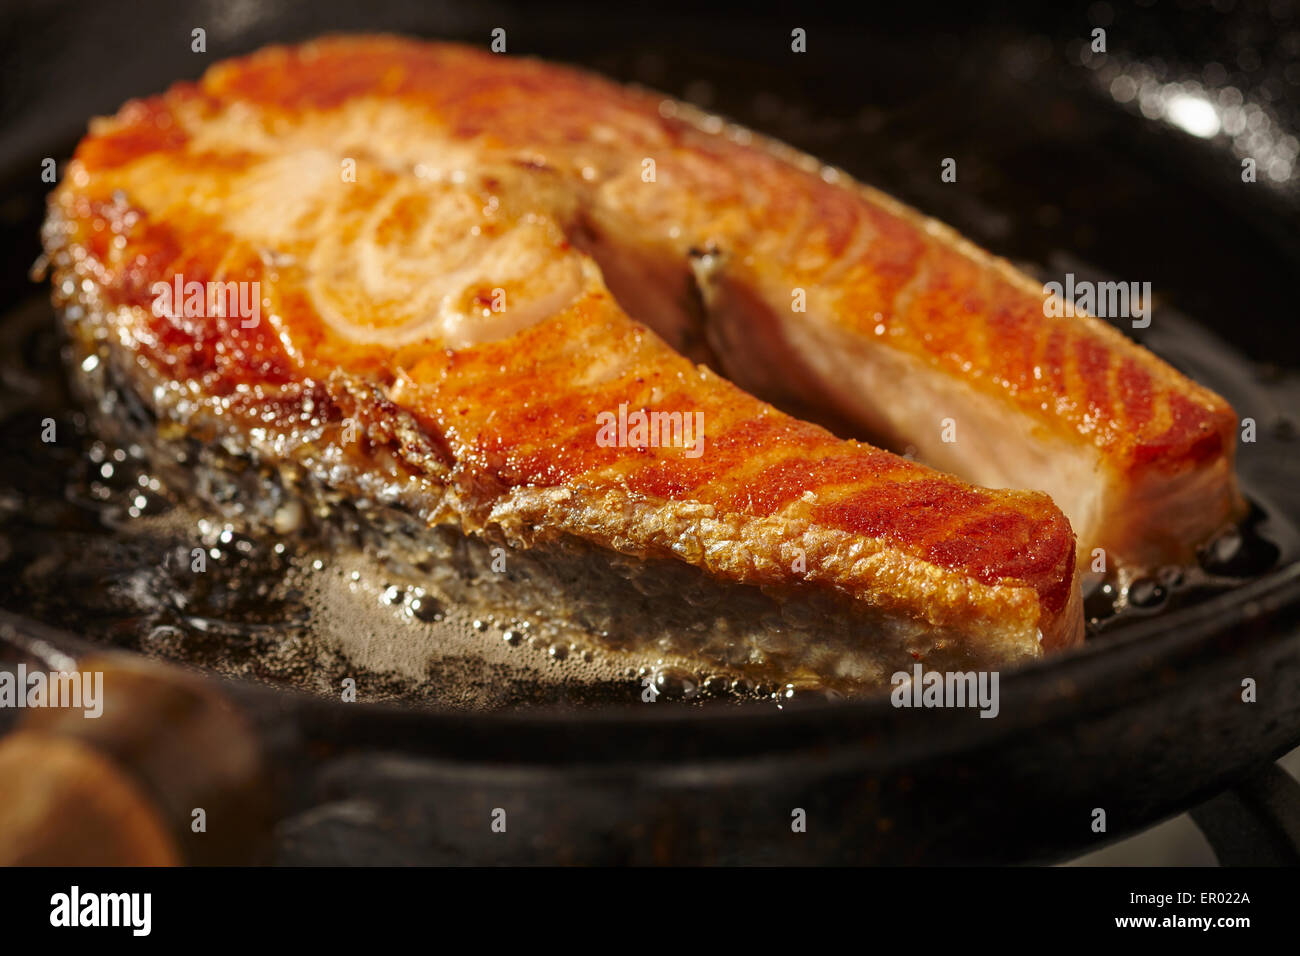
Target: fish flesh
{"type": "Point", "coordinates": [449, 299]}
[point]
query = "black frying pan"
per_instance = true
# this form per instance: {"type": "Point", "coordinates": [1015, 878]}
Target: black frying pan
{"type": "Point", "coordinates": [1144, 721]}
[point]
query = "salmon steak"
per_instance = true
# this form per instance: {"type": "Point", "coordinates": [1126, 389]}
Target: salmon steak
{"type": "Point", "coordinates": [490, 314]}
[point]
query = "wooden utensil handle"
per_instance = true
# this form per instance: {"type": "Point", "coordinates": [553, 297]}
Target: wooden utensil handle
{"type": "Point", "coordinates": [169, 772]}
{"type": "Point", "coordinates": [63, 804]}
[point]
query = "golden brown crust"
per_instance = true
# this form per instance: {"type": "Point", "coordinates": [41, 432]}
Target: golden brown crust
{"type": "Point", "coordinates": [178, 184]}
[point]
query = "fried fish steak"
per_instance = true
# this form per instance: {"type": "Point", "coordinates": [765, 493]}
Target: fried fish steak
{"type": "Point", "coordinates": [424, 260]}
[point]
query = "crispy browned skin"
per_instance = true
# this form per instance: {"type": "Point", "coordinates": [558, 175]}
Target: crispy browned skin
{"type": "Point", "coordinates": [244, 176]}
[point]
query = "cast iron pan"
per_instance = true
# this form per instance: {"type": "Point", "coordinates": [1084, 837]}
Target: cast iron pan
{"type": "Point", "coordinates": [1068, 161]}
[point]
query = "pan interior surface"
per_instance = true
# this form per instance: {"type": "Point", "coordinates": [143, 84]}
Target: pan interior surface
{"type": "Point", "coordinates": [93, 542]}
